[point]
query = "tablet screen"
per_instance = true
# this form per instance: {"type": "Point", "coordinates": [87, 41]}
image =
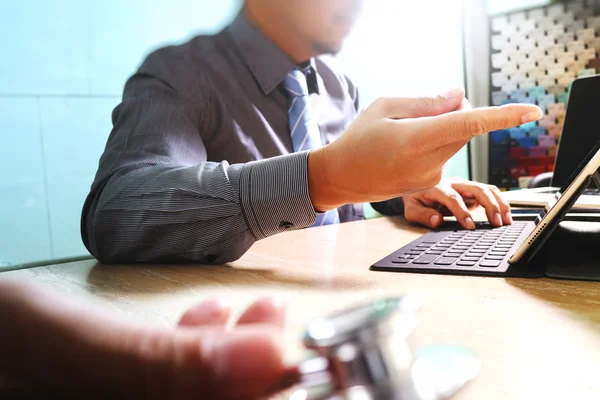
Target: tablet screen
{"type": "Point", "coordinates": [556, 209]}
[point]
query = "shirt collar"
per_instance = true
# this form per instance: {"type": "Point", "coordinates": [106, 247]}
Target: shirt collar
{"type": "Point", "coordinates": [268, 64]}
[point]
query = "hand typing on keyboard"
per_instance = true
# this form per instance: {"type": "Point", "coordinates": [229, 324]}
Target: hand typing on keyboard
{"type": "Point", "coordinates": [457, 197]}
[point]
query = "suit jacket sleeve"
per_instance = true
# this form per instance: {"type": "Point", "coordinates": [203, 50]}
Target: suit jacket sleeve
{"type": "Point", "coordinates": [156, 198]}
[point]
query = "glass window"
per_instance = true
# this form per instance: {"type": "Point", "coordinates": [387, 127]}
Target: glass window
{"type": "Point", "coordinates": [408, 48]}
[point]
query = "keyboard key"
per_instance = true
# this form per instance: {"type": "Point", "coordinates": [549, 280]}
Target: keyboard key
{"type": "Point", "coordinates": [494, 258]}
{"type": "Point", "coordinates": [434, 253]}
{"type": "Point", "coordinates": [445, 261]}
{"type": "Point", "coordinates": [471, 259]}
{"type": "Point", "coordinates": [489, 263]}
{"type": "Point", "coordinates": [464, 263]}
{"type": "Point", "coordinates": [401, 261]}
{"type": "Point", "coordinates": [425, 259]}
{"type": "Point", "coordinates": [455, 250]}
{"type": "Point", "coordinates": [453, 255]}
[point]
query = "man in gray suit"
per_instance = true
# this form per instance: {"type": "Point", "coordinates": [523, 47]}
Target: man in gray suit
{"type": "Point", "coordinates": [218, 143]}
{"type": "Point", "coordinates": [231, 138]}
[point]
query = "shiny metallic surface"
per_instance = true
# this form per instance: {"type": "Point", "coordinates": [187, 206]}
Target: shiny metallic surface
{"type": "Point", "coordinates": [365, 353]}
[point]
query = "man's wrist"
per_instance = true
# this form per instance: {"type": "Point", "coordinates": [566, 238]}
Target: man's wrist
{"type": "Point", "coordinates": [322, 187]}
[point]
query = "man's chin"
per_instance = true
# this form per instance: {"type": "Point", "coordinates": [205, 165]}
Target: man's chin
{"type": "Point", "coordinates": [326, 48]}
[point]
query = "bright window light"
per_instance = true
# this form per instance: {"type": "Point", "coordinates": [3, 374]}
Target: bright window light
{"type": "Point", "coordinates": [408, 48]}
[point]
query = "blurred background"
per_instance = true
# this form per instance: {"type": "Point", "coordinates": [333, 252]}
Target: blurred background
{"type": "Point", "coordinates": [64, 63]}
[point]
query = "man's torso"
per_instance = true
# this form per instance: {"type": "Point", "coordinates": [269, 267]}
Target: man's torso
{"type": "Point", "coordinates": [231, 86]}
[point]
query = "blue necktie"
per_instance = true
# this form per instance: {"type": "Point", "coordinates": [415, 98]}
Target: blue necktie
{"type": "Point", "coordinates": [303, 127]}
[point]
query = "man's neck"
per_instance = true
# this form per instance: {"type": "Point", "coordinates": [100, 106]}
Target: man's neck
{"type": "Point", "coordinates": [283, 35]}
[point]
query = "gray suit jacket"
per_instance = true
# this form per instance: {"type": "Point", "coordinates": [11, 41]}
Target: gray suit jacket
{"type": "Point", "coordinates": [199, 164]}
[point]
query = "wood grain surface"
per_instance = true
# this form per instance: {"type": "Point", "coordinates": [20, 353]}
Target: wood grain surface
{"type": "Point", "coordinates": [536, 338]}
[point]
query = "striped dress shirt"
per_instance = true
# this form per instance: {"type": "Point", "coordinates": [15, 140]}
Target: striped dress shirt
{"type": "Point", "coordinates": [200, 164]}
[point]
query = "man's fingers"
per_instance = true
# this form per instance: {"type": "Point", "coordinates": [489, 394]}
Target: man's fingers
{"type": "Point", "coordinates": [454, 202]}
{"type": "Point", "coordinates": [504, 205]}
{"type": "Point", "coordinates": [211, 312]}
{"type": "Point", "coordinates": [484, 196]}
{"type": "Point", "coordinates": [267, 310]}
{"type": "Point", "coordinates": [436, 132]}
{"type": "Point", "coordinates": [245, 363]}
{"type": "Point", "coordinates": [426, 106]}
{"type": "Point", "coordinates": [417, 213]}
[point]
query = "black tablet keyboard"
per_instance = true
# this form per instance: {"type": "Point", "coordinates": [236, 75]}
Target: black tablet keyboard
{"type": "Point", "coordinates": [455, 249]}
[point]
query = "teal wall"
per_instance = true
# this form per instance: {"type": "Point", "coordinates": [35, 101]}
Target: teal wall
{"type": "Point", "coordinates": [63, 66]}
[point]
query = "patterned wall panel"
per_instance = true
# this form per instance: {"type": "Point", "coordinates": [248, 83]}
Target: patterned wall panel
{"type": "Point", "coordinates": [535, 56]}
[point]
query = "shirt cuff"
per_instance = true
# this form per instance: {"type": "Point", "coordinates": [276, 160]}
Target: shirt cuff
{"type": "Point", "coordinates": [274, 195]}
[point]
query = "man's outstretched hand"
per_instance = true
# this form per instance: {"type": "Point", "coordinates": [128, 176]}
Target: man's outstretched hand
{"type": "Point", "coordinates": [399, 146]}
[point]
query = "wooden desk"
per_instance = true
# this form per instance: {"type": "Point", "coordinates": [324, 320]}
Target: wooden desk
{"type": "Point", "coordinates": [536, 338]}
